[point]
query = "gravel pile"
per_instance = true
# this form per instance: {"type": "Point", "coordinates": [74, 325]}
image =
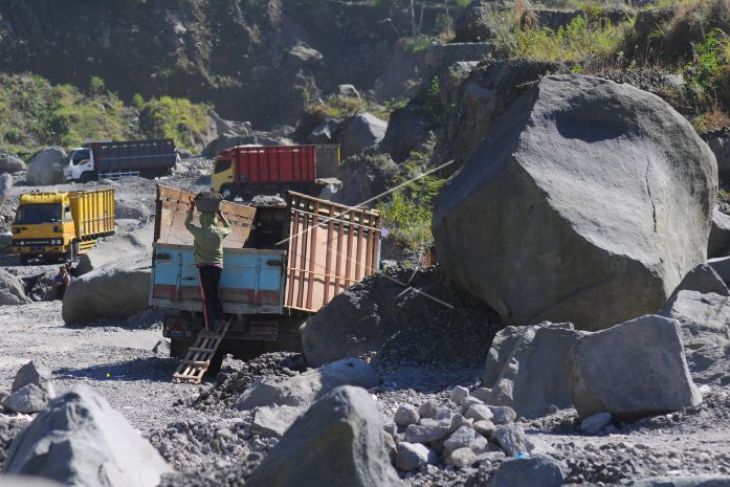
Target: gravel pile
{"type": "Point", "coordinates": [236, 376]}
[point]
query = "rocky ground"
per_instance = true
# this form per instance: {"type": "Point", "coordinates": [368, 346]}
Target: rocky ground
{"type": "Point", "coordinates": [210, 442]}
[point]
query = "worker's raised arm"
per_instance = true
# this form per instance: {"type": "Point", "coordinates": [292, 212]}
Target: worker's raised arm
{"type": "Point", "coordinates": [189, 220]}
{"type": "Point", "coordinates": [225, 221]}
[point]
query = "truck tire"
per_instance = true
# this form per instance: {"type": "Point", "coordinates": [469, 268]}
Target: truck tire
{"type": "Point", "coordinates": [86, 177]}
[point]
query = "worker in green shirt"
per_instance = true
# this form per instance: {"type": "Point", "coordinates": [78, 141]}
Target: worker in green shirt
{"type": "Point", "coordinates": [209, 259]}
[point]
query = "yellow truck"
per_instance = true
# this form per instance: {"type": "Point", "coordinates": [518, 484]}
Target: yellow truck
{"type": "Point", "coordinates": [60, 226]}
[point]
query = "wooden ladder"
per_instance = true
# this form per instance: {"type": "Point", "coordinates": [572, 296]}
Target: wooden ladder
{"type": "Point", "coordinates": [193, 367]}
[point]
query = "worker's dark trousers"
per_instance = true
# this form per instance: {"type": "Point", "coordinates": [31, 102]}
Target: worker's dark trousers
{"type": "Point", "coordinates": [210, 275]}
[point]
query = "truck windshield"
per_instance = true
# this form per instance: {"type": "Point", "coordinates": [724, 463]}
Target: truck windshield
{"type": "Point", "coordinates": [80, 155]}
{"type": "Point", "coordinates": [39, 213]}
{"type": "Point", "coordinates": [222, 165]}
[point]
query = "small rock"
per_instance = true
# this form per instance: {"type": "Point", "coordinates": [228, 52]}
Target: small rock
{"type": "Point", "coordinates": [429, 409]}
{"type": "Point", "coordinates": [512, 439]}
{"type": "Point", "coordinates": [483, 394]}
{"type": "Point", "coordinates": [406, 415]}
{"type": "Point", "coordinates": [461, 438]}
{"type": "Point", "coordinates": [444, 415]}
{"type": "Point", "coordinates": [26, 400]}
{"type": "Point", "coordinates": [33, 373]}
{"type": "Point", "coordinates": [485, 427]}
{"type": "Point", "coordinates": [462, 458]}
{"type": "Point", "coordinates": [459, 394]}
{"type": "Point", "coordinates": [413, 456]}
{"type": "Point", "coordinates": [469, 402]}
{"type": "Point", "coordinates": [479, 412]}
{"type": "Point", "coordinates": [390, 447]}
{"type": "Point", "coordinates": [536, 471]}
{"type": "Point", "coordinates": [162, 348]}
{"type": "Point", "coordinates": [457, 421]}
{"type": "Point", "coordinates": [595, 423]}
{"type": "Point", "coordinates": [503, 414]}
{"type": "Point", "coordinates": [274, 421]}
{"type": "Point", "coordinates": [429, 430]}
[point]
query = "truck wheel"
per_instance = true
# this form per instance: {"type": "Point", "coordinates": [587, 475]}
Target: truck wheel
{"type": "Point", "coordinates": [85, 177]}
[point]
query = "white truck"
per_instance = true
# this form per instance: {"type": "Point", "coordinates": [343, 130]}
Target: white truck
{"type": "Point", "coordinates": [146, 158]}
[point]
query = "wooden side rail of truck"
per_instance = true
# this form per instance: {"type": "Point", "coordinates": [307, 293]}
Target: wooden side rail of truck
{"type": "Point", "coordinates": [282, 263]}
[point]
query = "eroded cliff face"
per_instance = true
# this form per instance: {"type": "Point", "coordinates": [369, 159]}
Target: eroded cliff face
{"type": "Point", "coordinates": [253, 59]}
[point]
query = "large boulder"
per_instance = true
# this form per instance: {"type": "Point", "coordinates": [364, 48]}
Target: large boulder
{"type": "Point", "coordinates": [26, 400]}
{"type": "Point", "coordinates": [11, 164]}
{"type": "Point", "coordinates": [115, 291]}
{"type": "Point", "coordinates": [472, 23]}
{"type": "Point", "coordinates": [80, 440]}
{"type": "Point", "coordinates": [632, 370]}
{"type": "Point", "coordinates": [528, 368]}
{"type": "Point", "coordinates": [11, 290]}
{"type": "Point", "coordinates": [408, 130]}
{"type": "Point", "coordinates": [364, 176]}
{"type": "Point", "coordinates": [362, 131]}
{"type": "Point", "coordinates": [719, 243]}
{"type": "Point", "coordinates": [475, 97]}
{"type": "Point", "coordinates": [339, 441]}
{"type": "Point", "coordinates": [704, 320]}
{"type": "Point", "coordinates": [524, 226]}
{"type": "Point", "coordinates": [46, 167]}
{"type": "Point", "coordinates": [34, 373]}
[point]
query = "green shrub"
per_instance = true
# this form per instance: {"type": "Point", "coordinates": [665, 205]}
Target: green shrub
{"type": "Point", "coordinates": [175, 118]}
{"type": "Point", "coordinates": [409, 212]}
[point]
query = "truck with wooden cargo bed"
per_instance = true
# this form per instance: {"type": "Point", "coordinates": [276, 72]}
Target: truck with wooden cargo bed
{"type": "Point", "coordinates": [249, 170]}
{"type": "Point", "coordinates": [283, 261]}
{"type": "Point", "coordinates": [62, 225]}
{"type": "Point", "coordinates": [111, 160]}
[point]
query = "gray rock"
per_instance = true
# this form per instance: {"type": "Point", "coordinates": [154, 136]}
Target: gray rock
{"type": "Point", "coordinates": [462, 458]}
{"type": "Point", "coordinates": [33, 373]}
{"type": "Point", "coordinates": [479, 412]}
{"type": "Point", "coordinates": [427, 431]}
{"type": "Point", "coordinates": [406, 414]}
{"type": "Point", "coordinates": [46, 167]}
{"type": "Point", "coordinates": [469, 402]}
{"type": "Point", "coordinates": [413, 456]}
{"type": "Point", "coordinates": [11, 290]}
{"type": "Point", "coordinates": [547, 156]}
{"type": "Point", "coordinates": [10, 163]}
{"type": "Point", "coordinates": [274, 421]}
{"type": "Point", "coordinates": [595, 423]}
{"type": "Point", "coordinates": [461, 438]}
{"type": "Point", "coordinates": [536, 471]}
{"type": "Point", "coordinates": [348, 91]}
{"type": "Point", "coordinates": [339, 439]}
{"type": "Point", "coordinates": [685, 481]}
{"type": "Point", "coordinates": [28, 399]}
{"type": "Point", "coordinates": [472, 23]}
{"type": "Point", "coordinates": [408, 130]}
{"type": "Point", "coordinates": [718, 244]}
{"type": "Point", "coordinates": [631, 370]}
{"type": "Point", "coordinates": [512, 439]}
{"type": "Point", "coordinates": [703, 320]}
{"type": "Point", "coordinates": [363, 131]}
{"type": "Point", "coordinates": [303, 54]}
{"type": "Point", "coordinates": [484, 427]}
{"type": "Point", "coordinates": [483, 393]}
{"type": "Point", "coordinates": [114, 291]}
{"type": "Point", "coordinates": [459, 394]}
{"type": "Point", "coordinates": [429, 409]}
{"type": "Point", "coordinates": [527, 368]}
{"type": "Point", "coordinates": [503, 414]}
{"type": "Point", "coordinates": [702, 279]}
{"type": "Point", "coordinates": [80, 440]}
{"type": "Point", "coordinates": [305, 388]}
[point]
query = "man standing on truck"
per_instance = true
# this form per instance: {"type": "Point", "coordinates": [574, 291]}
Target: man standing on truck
{"type": "Point", "coordinates": [208, 247]}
